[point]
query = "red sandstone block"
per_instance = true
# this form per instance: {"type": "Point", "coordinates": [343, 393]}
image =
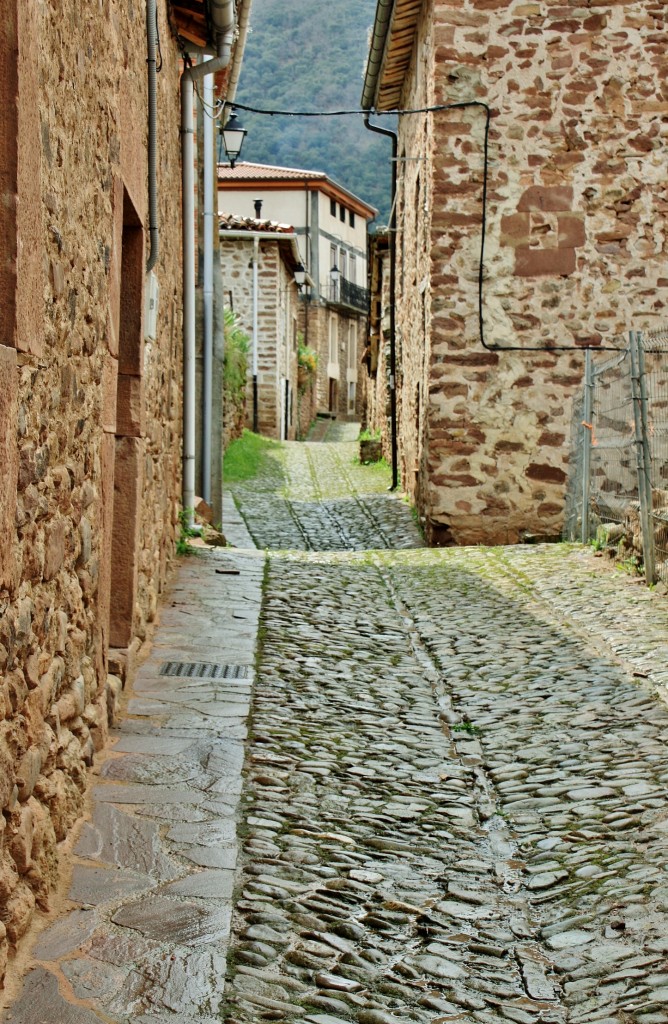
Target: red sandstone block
{"type": "Point", "coordinates": [544, 262]}
{"type": "Point", "coordinates": [472, 359]}
{"type": "Point", "coordinates": [596, 23]}
{"type": "Point", "coordinates": [550, 439]}
{"type": "Point", "coordinates": [130, 409]}
{"type": "Point", "coordinates": [571, 231]}
{"type": "Point", "coordinates": [502, 447]}
{"type": "Point", "coordinates": [128, 464]}
{"type": "Point", "coordinates": [549, 199]}
{"type": "Point", "coordinates": [545, 473]}
{"type": "Point", "coordinates": [515, 229]}
{"type": "Point", "coordinates": [8, 460]}
{"type": "Point", "coordinates": [109, 390]}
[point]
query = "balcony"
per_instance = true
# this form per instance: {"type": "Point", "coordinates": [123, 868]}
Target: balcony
{"type": "Point", "coordinates": [345, 293]}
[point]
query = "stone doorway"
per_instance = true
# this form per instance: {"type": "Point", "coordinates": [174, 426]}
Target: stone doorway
{"type": "Point", "coordinates": [128, 442]}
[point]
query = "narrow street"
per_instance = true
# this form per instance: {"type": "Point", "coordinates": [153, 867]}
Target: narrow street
{"type": "Point", "coordinates": [454, 805]}
{"type": "Point", "coordinates": [457, 791]}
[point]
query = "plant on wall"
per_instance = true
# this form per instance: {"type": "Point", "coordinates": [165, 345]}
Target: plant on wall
{"type": "Point", "coordinates": [307, 369]}
{"type": "Point", "coordinates": [307, 366]}
{"type": "Point", "coordinates": [237, 349]}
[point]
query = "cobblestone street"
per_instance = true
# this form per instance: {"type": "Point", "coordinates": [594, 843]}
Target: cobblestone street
{"type": "Point", "coordinates": [456, 806]}
{"type": "Point", "coordinates": [381, 783]}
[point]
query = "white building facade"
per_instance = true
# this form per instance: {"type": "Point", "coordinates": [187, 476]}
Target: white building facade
{"type": "Point", "coordinates": [331, 225]}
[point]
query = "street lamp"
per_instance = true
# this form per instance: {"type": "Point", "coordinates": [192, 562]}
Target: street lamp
{"type": "Point", "coordinates": [335, 277]}
{"type": "Point", "coordinates": [300, 275]}
{"type": "Point", "coordinates": [233, 135]}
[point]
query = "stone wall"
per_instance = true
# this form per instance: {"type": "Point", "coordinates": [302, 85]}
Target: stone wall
{"type": "Point", "coordinates": [575, 244]}
{"type": "Point", "coordinates": [89, 414]}
{"type": "Point", "coordinates": [277, 328]}
{"type": "Point", "coordinates": [318, 339]}
{"type": "Point", "coordinates": [375, 373]}
{"type": "Point", "coordinates": [306, 407]}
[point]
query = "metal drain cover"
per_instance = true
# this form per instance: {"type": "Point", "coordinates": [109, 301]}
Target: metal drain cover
{"type": "Point", "coordinates": [203, 670]}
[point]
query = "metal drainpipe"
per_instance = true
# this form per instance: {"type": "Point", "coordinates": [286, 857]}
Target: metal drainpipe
{"type": "Point", "coordinates": [188, 79]}
{"type": "Point", "coordinates": [151, 60]}
{"type": "Point", "coordinates": [307, 262]}
{"type": "Point", "coordinates": [393, 287]}
{"type": "Point", "coordinates": [256, 253]}
{"type": "Point", "coordinates": [207, 289]}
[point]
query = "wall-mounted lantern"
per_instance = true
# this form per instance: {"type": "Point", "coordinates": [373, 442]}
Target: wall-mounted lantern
{"type": "Point", "coordinates": [232, 135]}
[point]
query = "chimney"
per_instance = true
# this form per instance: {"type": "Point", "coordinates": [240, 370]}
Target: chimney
{"type": "Point", "coordinates": [258, 209]}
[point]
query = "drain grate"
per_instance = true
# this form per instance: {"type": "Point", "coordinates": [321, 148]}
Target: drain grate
{"type": "Point", "coordinates": [203, 670]}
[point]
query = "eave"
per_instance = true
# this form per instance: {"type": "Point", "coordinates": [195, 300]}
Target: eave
{"type": "Point", "coordinates": [317, 183]}
{"type": "Point", "coordinates": [390, 53]}
{"type": "Point", "coordinates": [190, 21]}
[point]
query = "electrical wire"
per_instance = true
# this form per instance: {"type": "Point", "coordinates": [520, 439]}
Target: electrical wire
{"type": "Point", "coordinates": [462, 105]}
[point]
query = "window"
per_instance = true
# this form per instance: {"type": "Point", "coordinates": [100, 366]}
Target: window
{"type": "Point", "coordinates": [332, 207]}
{"type": "Point", "coordinates": [342, 214]}
{"type": "Point", "coordinates": [351, 218]}
{"type": "Point", "coordinates": [352, 268]}
{"type": "Point", "coordinates": [352, 345]}
{"type": "Point", "coordinates": [333, 339]}
{"type": "Point", "coordinates": [343, 264]}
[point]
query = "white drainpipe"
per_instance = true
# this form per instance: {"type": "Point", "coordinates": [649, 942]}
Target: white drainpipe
{"type": "Point", "coordinates": [256, 259]}
{"type": "Point", "coordinates": [223, 17]}
{"type": "Point", "coordinates": [207, 290]}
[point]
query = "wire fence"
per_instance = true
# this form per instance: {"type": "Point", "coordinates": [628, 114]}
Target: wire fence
{"type": "Point", "coordinates": [619, 481]}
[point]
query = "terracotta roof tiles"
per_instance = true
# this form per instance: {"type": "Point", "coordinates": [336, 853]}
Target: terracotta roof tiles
{"type": "Point", "coordinates": [265, 172]}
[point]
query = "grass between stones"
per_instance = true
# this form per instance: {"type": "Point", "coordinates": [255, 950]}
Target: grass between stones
{"type": "Point", "coordinates": [246, 457]}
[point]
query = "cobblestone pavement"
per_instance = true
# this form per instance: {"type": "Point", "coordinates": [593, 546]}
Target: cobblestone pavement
{"type": "Point", "coordinates": [317, 497]}
{"type": "Point", "coordinates": [456, 806]}
{"type": "Point", "coordinates": [455, 795]}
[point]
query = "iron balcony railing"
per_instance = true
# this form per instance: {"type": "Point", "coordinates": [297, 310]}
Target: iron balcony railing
{"type": "Point", "coordinates": [345, 293]}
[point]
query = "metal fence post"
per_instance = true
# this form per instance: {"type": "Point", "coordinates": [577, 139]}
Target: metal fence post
{"type": "Point", "coordinates": [587, 432]}
{"type": "Point", "coordinates": [642, 452]}
{"type": "Point", "coordinates": [650, 555]}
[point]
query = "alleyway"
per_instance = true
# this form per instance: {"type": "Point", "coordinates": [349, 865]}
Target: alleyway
{"type": "Point", "coordinates": [455, 805]}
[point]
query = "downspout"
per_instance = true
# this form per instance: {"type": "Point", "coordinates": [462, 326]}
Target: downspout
{"type": "Point", "coordinates": [393, 283]}
{"type": "Point", "coordinates": [223, 16]}
{"type": "Point", "coordinates": [256, 254]}
{"type": "Point", "coordinates": [207, 289]}
{"type": "Point", "coordinates": [307, 247]}
{"type": "Point", "coordinates": [151, 60]}
{"type": "Point", "coordinates": [243, 21]}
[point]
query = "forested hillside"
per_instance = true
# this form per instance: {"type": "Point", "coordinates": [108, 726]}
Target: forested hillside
{"type": "Point", "coordinates": [310, 55]}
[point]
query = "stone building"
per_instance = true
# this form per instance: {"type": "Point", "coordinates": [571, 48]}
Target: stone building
{"type": "Point", "coordinates": [258, 260]}
{"type": "Point", "coordinates": [574, 221]}
{"type": "Point", "coordinates": [90, 396]}
{"type": "Point", "coordinates": [331, 224]}
{"type": "Point", "coordinates": [376, 364]}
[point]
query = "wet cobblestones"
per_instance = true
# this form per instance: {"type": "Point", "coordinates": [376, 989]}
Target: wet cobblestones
{"type": "Point", "coordinates": [456, 802]}
{"type": "Point", "coordinates": [455, 784]}
{"type": "Point", "coordinates": [317, 497]}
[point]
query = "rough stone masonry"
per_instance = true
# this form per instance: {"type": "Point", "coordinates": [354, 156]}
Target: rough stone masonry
{"type": "Point", "coordinates": [575, 243]}
{"type": "Point", "coordinates": [88, 412]}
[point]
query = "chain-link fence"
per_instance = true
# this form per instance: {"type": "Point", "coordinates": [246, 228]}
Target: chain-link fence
{"type": "Point", "coordinates": [655, 346]}
{"type": "Point", "coordinates": [619, 480]}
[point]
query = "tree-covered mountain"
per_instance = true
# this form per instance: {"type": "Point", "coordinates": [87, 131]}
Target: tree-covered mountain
{"type": "Point", "coordinates": [310, 55]}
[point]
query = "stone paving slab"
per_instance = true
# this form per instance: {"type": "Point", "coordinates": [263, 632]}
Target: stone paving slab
{"type": "Point", "coordinates": [148, 914]}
